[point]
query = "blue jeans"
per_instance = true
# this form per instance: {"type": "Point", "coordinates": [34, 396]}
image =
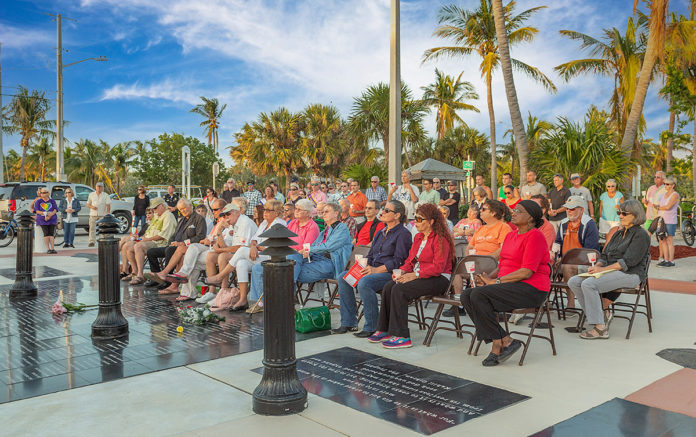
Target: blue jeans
{"type": "Point", "coordinates": [256, 288]}
{"type": "Point", "coordinates": [320, 268]}
{"type": "Point", "coordinates": [139, 219]}
{"type": "Point", "coordinates": [367, 288]}
{"type": "Point", "coordinates": [69, 232]}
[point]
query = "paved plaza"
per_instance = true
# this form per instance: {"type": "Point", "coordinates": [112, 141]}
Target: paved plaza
{"type": "Point", "coordinates": [55, 381]}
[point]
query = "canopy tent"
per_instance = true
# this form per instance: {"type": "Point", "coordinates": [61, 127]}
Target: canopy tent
{"type": "Point", "coordinates": [432, 168]}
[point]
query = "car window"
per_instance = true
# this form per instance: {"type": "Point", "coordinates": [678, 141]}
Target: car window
{"type": "Point", "coordinates": [153, 194]}
{"type": "Point", "coordinates": [82, 192]}
{"type": "Point", "coordinates": [25, 191]}
{"type": "Point", "coordinates": [6, 191]}
{"type": "Point", "coordinates": [58, 193]}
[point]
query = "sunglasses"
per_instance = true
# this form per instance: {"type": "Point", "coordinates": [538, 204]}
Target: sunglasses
{"type": "Point", "coordinates": [611, 186]}
{"type": "Point", "coordinates": [624, 213]}
{"type": "Point", "coordinates": [508, 193]}
{"type": "Point", "coordinates": [387, 210]}
{"type": "Point", "coordinates": [419, 219]}
{"type": "Point", "coordinates": [217, 209]}
{"type": "Point", "coordinates": [268, 210]}
{"type": "Point", "coordinates": [669, 185]}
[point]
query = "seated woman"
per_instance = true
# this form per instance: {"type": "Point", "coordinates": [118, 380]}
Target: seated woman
{"type": "Point", "coordinates": [547, 228]}
{"type": "Point", "coordinates": [426, 272]}
{"type": "Point", "coordinates": [389, 250]}
{"type": "Point", "coordinates": [488, 239]}
{"type": "Point", "coordinates": [466, 227]}
{"type": "Point", "coordinates": [329, 252]}
{"type": "Point", "coordinates": [521, 281]}
{"type": "Point", "coordinates": [624, 259]}
{"type": "Point", "coordinates": [444, 209]}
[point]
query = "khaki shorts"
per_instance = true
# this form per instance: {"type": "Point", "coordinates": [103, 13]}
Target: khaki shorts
{"type": "Point", "coordinates": [149, 244]}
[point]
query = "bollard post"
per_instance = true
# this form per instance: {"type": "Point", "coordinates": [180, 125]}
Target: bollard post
{"type": "Point", "coordinates": [280, 391]}
{"type": "Point", "coordinates": [110, 323]}
{"type": "Point", "coordinates": [23, 286]}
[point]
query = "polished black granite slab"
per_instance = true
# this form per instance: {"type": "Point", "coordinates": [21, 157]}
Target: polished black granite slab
{"type": "Point", "coordinates": [683, 357]}
{"type": "Point", "coordinates": [37, 272]}
{"type": "Point", "coordinates": [41, 354]}
{"type": "Point", "coordinates": [622, 418]}
{"type": "Point", "coordinates": [414, 397]}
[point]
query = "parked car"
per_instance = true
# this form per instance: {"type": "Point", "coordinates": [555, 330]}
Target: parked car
{"type": "Point", "coordinates": [17, 197]}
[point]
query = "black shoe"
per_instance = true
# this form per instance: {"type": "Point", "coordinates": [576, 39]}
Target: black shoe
{"type": "Point", "coordinates": [450, 312]}
{"type": "Point", "coordinates": [65, 246]}
{"type": "Point", "coordinates": [344, 329]}
{"type": "Point", "coordinates": [491, 360]}
{"type": "Point", "coordinates": [122, 275]}
{"type": "Point", "coordinates": [239, 308]}
{"type": "Point", "coordinates": [510, 350]}
{"type": "Point", "coordinates": [364, 334]}
{"type": "Point", "coordinates": [150, 284]}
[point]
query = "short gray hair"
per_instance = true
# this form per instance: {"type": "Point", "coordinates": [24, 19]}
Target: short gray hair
{"type": "Point", "coordinates": [184, 201]}
{"type": "Point", "coordinates": [241, 202]}
{"type": "Point", "coordinates": [636, 209]}
{"type": "Point", "coordinates": [671, 180]}
{"type": "Point", "coordinates": [481, 191]}
{"type": "Point", "coordinates": [335, 206]}
{"type": "Point", "coordinates": [305, 205]}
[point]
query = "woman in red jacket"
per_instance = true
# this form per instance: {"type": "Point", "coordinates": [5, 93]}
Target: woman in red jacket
{"type": "Point", "coordinates": [425, 272]}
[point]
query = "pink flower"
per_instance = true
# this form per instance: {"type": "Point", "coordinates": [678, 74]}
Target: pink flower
{"type": "Point", "coordinates": [58, 308]}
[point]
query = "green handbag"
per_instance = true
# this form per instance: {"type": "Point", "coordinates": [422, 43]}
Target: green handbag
{"type": "Point", "coordinates": [312, 319]}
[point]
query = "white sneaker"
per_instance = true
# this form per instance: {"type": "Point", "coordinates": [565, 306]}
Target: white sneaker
{"type": "Point", "coordinates": [208, 297]}
{"type": "Point", "coordinates": [515, 318]}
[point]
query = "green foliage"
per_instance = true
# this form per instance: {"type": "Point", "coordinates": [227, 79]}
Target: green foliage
{"type": "Point", "coordinates": [448, 95]}
{"type": "Point", "coordinates": [161, 164]}
{"type": "Point", "coordinates": [362, 174]}
{"type": "Point", "coordinates": [458, 144]}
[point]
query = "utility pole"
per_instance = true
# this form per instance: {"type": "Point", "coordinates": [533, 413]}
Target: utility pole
{"type": "Point", "coordinates": [395, 96]}
{"type": "Point", "coordinates": [2, 152]}
{"type": "Point", "coordinates": [59, 101]}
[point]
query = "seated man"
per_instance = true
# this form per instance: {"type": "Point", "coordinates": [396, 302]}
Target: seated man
{"type": "Point", "coordinates": [329, 253]}
{"type": "Point", "coordinates": [319, 216]}
{"type": "Point", "coordinates": [243, 229]}
{"type": "Point", "coordinates": [159, 231]}
{"type": "Point", "coordinates": [388, 252]}
{"type": "Point", "coordinates": [288, 212]}
{"type": "Point", "coordinates": [366, 231]}
{"type": "Point", "coordinates": [347, 219]}
{"type": "Point", "coordinates": [190, 229]}
{"type": "Point", "coordinates": [306, 230]}
{"type": "Point", "coordinates": [247, 256]}
{"type": "Point", "coordinates": [126, 245]}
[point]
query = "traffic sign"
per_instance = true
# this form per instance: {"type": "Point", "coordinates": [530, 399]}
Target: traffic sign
{"type": "Point", "coordinates": [468, 165]}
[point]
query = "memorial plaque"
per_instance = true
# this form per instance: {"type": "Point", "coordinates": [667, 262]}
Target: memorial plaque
{"type": "Point", "coordinates": [620, 418]}
{"type": "Point", "coordinates": [414, 397]}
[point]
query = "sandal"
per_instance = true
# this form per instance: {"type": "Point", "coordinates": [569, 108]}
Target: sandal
{"type": "Point", "coordinates": [212, 284]}
{"type": "Point", "coordinates": [602, 334]}
{"type": "Point", "coordinates": [183, 298]}
{"type": "Point", "coordinates": [127, 278]}
{"type": "Point", "coordinates": [137, 280]}
{"type": "Point", "coordinates": [168, 291]}
{"type": "Point", "coordinates": [154, 277]}
{"type": "Point", "coordinates": [175, 278]}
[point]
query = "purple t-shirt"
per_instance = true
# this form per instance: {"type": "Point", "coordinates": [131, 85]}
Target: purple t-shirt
{"type": "Point", "coordinates": [40, 206]}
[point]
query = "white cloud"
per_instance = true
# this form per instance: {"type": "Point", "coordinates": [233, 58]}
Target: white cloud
{"type": "Point", "coordinates": [21, 38]}
{"type": "Point", "coordinates": [167, 90]}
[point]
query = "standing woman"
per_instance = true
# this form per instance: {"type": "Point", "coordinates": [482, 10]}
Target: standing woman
{"type": "Point", "coordinates": [268, 194]}
{"type": "Point", "coordinates": [46, 210]}
{"type": "Point", "coordinates": [667, 209]}
{"type": "Point", "coordinates": [426, 272]}
{"type": "Point", "coordinates": [609, 203]}
{"type": "Point", "coordinates": [511, 196]}
{"type": "Point", "coordinates": [69, 207]}
{"type": "Point", "coordinates": [210, 197]}
{"type": "Point", "coordinates": [140, 204]}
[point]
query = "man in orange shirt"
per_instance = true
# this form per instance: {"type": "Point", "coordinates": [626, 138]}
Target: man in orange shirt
{"type": "Point", "coordinates": [357, 202]}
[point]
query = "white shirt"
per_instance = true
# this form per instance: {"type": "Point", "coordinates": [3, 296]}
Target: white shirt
{"type": "Point", "coordinates": [100, 201]}
{"type": "Point", "coordinates": [403, 195]}
{"type": "Point", "coordinates": [263, 227]}
{"type": "Point", "coordinates": [209, 224]}
{"type": "Point", "coordinates": [244, 231]}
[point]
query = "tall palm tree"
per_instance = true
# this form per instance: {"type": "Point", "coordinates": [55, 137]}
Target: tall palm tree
{"type": "Point", "coordinates": [83, 161]}
{"type": "Point", "coordinates": [369, 119]}
{"type": "Point", "coordinates": [448, 95]}
{"type": "Point", "coordinates": [322, 140]}
{"type": "Point", "coordinates": [211, 111]}
{"type": "Point", "coordinates": [615, 55]}
{"type": "Point", "coordinates": [41, 155]}
{"type": "Point", "coordinates": [473, 32]}
{"type": "Point", "coordinates": [534, 132]}
{"type": "Point", "coordinates": [121, 155]}
{"type": "Point", "coordinates": [26, 116]}
{"type": "Point", "coordinates": [272, 144]}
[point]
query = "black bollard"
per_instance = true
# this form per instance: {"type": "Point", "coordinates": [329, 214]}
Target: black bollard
{"type": "Point", "coordinates": [110, 323]}
{"type": "Point", "coordinates": [280, 391]}
{"type": "Point", "coordinates": [23, 286]}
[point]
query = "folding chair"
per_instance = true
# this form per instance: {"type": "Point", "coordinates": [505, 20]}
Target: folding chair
{"type": "Point", "coordinates": [483, 264]}
{"type": "Point", "coordinates": [643, 289]}
{"type": "Point", "coordinates": [559, 287]}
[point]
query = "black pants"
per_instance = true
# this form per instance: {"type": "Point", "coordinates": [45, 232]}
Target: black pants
{"type": "Point", "coordinates": [484, 303]}
{"type": "Point", "coordinates": [393, 316]}
{"type": "Point", "coordinates": [154, 254]}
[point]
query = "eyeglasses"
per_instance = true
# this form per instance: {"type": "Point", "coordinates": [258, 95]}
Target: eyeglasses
{"type": "Point", "coordinates": [611, 186]}
{"type": "Point", "coordinates": [668, 184]}
{"type": "Point", "coordinates": [374, 182]}
{"type": "Point", "coordinates": [624, 213]}
{"type": "Point", "coordinates": [314, 185]}
{"type": "Point", "coordinates": [268, 210]}
{"type": "Point", "coordinates": [419, 219]}
{"type": "Point", "coordinates": [387, 210]}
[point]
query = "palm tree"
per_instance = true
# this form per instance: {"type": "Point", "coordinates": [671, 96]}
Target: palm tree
{"type": "Point", "coordinates": [616, 55]}
{"type": "Point", "coordinates": [322, 140]}
{"type": "Point", "coordinates": [447, 95]}
{"type": "Point", "coordinates": [272, 145]}
{"type": "Point", "coordinates": [41, 155]}
{"type": "Point", "coordinates": [26, 116]}
{"type": "Point", "coordinates": [211, 110]}
{"type": "Point", "coordinates": [121, 155]}
{"type": "Point", "coordinates": [369, 119]}
{"type": "Point", "coordinates": [83, 161]}
{"type": "Point", "coordinates": [474, 32]}
{"type": "Point", "coordinates": [535, 130]}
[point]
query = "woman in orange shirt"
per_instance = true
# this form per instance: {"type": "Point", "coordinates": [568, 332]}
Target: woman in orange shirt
{"type": "Point", "coordinates": [488, 239]}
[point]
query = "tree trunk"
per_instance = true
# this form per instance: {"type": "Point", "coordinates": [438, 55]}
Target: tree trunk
{"type": "Point", "coordinates": [385, 142]}
{"type": "Point", "coordinates": [24, 159]}
{"type": "Point", "coordinates": [521, 143]}
{"type": "Point", "coordinates": [670, 142]}
{"type": "Point", "coordinates": [693, 155]}
{"type": "Point", "coordinates": [491, 116]}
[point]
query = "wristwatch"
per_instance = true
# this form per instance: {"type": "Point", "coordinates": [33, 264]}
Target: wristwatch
{"type": "Point", "coordinates": [497, 280]}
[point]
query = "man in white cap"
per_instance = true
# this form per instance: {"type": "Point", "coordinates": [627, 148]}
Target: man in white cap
{"type": "Point", "coordinates": [577, 189]}
{"type": "Point", "coordinates": [99, 204]}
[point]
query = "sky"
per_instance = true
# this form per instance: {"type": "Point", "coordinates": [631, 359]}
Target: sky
{"type": "Point", "coordinates": [258, 55]}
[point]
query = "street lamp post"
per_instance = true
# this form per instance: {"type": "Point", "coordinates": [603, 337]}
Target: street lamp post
{"type": "Point", "coordinates": [59, 97]}
{"type": "Point", "coordinates": [394, 147]}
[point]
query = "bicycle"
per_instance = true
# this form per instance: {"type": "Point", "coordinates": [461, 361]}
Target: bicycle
{"type": "Point", "coordinates": [687, 228]}
{"type": "Point", "coordinates": [8, 230]}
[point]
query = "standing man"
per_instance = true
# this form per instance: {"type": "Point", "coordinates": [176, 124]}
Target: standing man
{"type": "Point", "coordinates": [227, 195]}
{"type": "Point", "coordinates": [532, 187]}
{"type": "Point", "coordinates": [233, 187]}
{"type": "Point", "coordinates": [171, 199]}
{"type": "Point", "coordinates": [578, 190]}
{"type": "Point", "coordinates": [99, 204]}
{"type": "Point", "coordinates": [451, 200]}
{"type": "Point", "coordinates": [481, 182]}
{"type": "Point", "coordinates": [316, 195]}
{"type": "Point", "coordinates": [428, 195]}
{"type": "Point", "coordinates": [375, 192]}
{"type": "Point", "coordinates": [437, 186]}
{"type": "Point", "coordinates": [652, 197]}
{"type": "Point", "coordinates": [405, 193]}
{"type": "Point", "coordinates": [557, 199]}
{"type": "Point", "coordinates": [507, 180]}
{"type": "Point", "coordinates": [357, 202]}
{"type": "Point", "coordinates": [253, 197]}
